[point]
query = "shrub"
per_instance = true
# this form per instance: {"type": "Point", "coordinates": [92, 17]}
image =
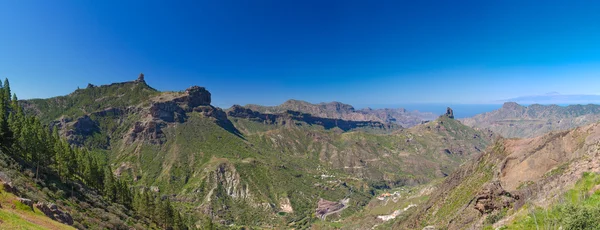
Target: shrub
{"type": "Point", "coordinates": [581, 217]}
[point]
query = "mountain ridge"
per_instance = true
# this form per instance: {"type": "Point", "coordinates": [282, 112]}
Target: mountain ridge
{"type": "Point", "coordinates": [515, 120]}
{"type": "Point", "coordinates": [338, 110]}
{"type": "Point", "coordinates": [212, 162]}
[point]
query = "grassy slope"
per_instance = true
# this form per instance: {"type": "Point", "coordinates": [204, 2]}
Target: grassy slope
{"type": "Point", "coordinates": [578, 209]}
{"type": "Point", "coordinates": [84, 101]}
{"type": "Point", "coordinates": [15, 215]}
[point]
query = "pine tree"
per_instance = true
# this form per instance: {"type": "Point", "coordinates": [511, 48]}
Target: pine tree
{"type": "Point", "coordinates": [109, 185]}
{"type": "Point", "coordinates": [7, 93]}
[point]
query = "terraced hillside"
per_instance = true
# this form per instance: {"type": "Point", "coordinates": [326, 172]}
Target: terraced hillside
{"type": "Point", "coordinates": [246, 168]}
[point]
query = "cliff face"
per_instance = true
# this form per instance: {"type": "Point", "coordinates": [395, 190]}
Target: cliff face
{"type": "Point", "coordinates": [290, 117]}
{"type": "Point", "coordinates": [514, 120]}
{"type": "Point", "coordinates": [337, 110]}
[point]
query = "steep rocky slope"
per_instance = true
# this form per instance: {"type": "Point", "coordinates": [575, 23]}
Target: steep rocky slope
{"type": "Point", "coordinates": [514, 120]}
{"type": "Point", "coordinates": [494, 187]}
{"type": "Point", "coordinates": [244, 167]}
{"type": "Point", "coordinates": [337, 110]}
{"type": "Point", "coordinates": [27, 202]}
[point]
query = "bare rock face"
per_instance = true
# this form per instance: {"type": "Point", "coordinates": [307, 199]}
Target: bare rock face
{"type": "Point", "coordinates": [52, 211]}
{"type": "Point", "coordinates": [195, 96]}
{"type": "Point", "coordinates": [85, 126]}
{"type": "Point", "coordinates": [493, 197]}
{"type": "Point", "coordinates": [167, 111]}
{"type": "Point", "coordinates": [227, 176]}
{"type": "Point", "coordinates": [151, 131]}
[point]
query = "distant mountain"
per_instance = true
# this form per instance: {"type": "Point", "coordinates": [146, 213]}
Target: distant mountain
{"type": "Point", "coordinates": [266, 168]}
{"type": "Point", "coordinates": [337, 110]}
{"type": "Point", "coordinates": [556, 98]}
{"type": "Point", "coordinates": [514, 120]}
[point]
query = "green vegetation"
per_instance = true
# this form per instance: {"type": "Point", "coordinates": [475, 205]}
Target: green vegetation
{"type": "Point", "coordinates": [237, 179]}
{"type": "Point", "coordinates": [40, 149]}
{"type": "Point", "coordinates": [92, 99]}
{"type": "Point", "coordinates": [578, 209]}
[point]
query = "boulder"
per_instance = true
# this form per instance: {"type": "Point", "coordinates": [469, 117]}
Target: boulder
{"type": "Point", "coordinates": [52, 211]}
{"type": "Point", "coordinates": [8, 187]}
{"type": "Point", "coordinates": [493, 197]}
{"type": "Point", "coordinates": [25, 201]}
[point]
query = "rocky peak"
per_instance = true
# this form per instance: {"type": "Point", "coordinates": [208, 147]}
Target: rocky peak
{"type": "Point", "coordinates": [449, 113]}
{"type": "Point", "coordinates": [338, 106]}
{"type": "Point", "coordinates": [197, 96]}
{"type": "Point", "coordinates": [140, 78]}
{"type": "Point", "coordinates": [510, 105]}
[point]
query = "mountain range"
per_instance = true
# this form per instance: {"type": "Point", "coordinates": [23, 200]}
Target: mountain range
{"type": "Point", "coordinates": [274, 162]}
{"type": "Point", "coordinates": [514, 120]}
{"type": "Point", "coordinates": [556, 98]}
{"type": "Point", "coordinates": [343, 111]}
{"type": "Point", "coordinates": [171, 160]}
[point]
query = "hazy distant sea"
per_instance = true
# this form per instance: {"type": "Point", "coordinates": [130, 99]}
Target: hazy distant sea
{"type": "Point", "coordinates": [460, 110]}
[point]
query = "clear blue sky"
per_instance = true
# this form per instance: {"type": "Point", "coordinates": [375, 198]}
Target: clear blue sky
{"type": "Point", "coordinates": [265, 52]}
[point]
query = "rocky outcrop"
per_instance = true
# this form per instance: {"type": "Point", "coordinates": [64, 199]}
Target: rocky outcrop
{"type": "Point", "coordinates": [227, 176]}
{"type": "Point", "coordinates": [449, 113]}
{"type": "Point", "coordinates": [167, 111]}
{"type": "Point", "coordinates": [210, 111]}
{"type": "Point", "coordinates": [175, 110]}
{"type": "Point", "coordinates": [150, 131]}
{"type": "Point", "coordinates": [193, 97]}
{"type": "Point", "coordinates": [140, 79]}
{"type": "Point", "coordinates": [243, 112]}
{"type": "Point", "coordinates": [52, 211]}
{"type": "Point", "coordinates": [84, 126]}
{"type": "Point", "coordinates": [8, 187]}
{"type": "Point", "coordinates": [493, 197]}
{"type": "Point", "coordinates": [25, 201]}
{"type": "Point", "coordinates": [285, 205]}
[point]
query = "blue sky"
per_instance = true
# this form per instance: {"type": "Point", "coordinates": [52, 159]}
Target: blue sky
{"type": "Point", "coordinates": [265, 52]}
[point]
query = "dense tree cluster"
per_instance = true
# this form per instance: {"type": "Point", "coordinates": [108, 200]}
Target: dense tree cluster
{"type": "Point", "coordinates": [42, 149]}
